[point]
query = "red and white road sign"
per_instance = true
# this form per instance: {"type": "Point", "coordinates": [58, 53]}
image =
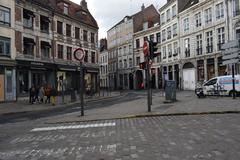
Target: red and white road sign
{"type": "Point", "coordinates": [146, 48]}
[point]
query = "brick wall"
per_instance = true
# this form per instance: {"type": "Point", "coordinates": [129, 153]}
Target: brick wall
{"type": "Point", "coordinates": [18, 14]}
{"type": "Point", "coordinates": [18, 41]}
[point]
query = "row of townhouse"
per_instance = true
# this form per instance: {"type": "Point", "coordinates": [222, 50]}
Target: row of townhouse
{"type": "Point", "coordinates": [189, 33]}
{"type": "Point", "coordinates": [37, 42]}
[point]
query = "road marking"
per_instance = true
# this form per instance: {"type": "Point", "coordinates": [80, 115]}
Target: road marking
{"type": "Point", "coordinates": [74, 127]}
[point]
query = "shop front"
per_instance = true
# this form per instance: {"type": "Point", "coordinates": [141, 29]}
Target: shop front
{"type": "Point", "coordinates": [7, 81]}
{"type": "Point", "coordinates": [35, 74]}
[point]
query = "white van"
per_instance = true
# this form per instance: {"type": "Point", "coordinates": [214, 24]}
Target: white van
{"type": "Point", "coordinates": [222, 85]}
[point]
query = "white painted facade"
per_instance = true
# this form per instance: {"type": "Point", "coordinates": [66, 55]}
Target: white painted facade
{"type": "Point", "coordinates": [103, 61]}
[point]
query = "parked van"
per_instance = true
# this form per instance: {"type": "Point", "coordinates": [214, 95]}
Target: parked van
{"type": "Point", "coordinates": [222, 85]}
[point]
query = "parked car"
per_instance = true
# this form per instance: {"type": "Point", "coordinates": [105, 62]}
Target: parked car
{"type": "Point", "coordinates": [221, 85]}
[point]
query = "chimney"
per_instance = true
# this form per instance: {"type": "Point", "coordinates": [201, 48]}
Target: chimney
{"type": "Point", "coordinates": [83, 3]}
{"type": "Point", "coordinates": [143, 7]}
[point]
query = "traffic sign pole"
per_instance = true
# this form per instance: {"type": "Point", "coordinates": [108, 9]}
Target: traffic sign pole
{"type": "Point", "coordinates": [233, 80]}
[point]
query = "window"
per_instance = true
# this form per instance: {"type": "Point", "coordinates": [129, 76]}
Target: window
{"type": "Point", "coordinates": [221, 37]}
{"type": "Point", "coordinates": [186, 24]}
{"type": "Point", "coordinates": [130, 62]}
{"type": "Point", "coordinates": [169, 33]}
{"type": "Point", "coordinates": [219, 11]}
{"type": "Point", "coordinates": [187, 47]}
{"type": "Point", "coordinates": [9, 79]}
{"type": "Point", "coordinates": [163, 35]}
{"type": "Point", "coordinates": [137, 43]}
{"type": "Point", "coordinates": [198, 19]}
{"type": "Point", "coordinates": [175, 30]}
{"type": "Point", "coordinates": [77, 33]}
{"type": "Point", "coordinates": [164, 50]}
{"type": "Point", "coordinates": [175, 46]}
{"type": "Point", "coordinates": [125, 63]}
{"type": "Point", "coordinates": [93, 57]}
{"type": "Point", "coordinates": [209, 36]}
{"type": "Point", "coordinates": [199, 44]}
{"type": "Point", "coordinates": [28, 46]}
{"type": "Point", "coordinates": [28, 19]}
{"type": "Point", "coordinates": [124, 50]}
{"type": "Point", "coordinates": [208, 15]}
{"type": "Point", "coordinates": [5, 16]}
{"type": "Point", "coordinates": [44, 24]}
{"type": "Point", "coordinates": [169, 50]}
{"type": "Point", "coordinates": [138, 60]}
{"type": "Point", "coordinates": [59, 27]}
{"type": "Point", "coordinates": [69, 53]}
{"type": "Point", "coordinates": [85, 35]}
{"type": "Point", "coordinates": [162, 18]}
{"type": "Point", "coordinates": [168, 15]}
{"type": "Point", "coordinates": [145, 25]}
{"type": "Point", "coordinates": [65, 8]}
{"type": "Point", "coordinates": [86, 56]}
{"type": "Point", "coordinates": [120, 64]}
{"type": "Point", "coordinates": [151, 37]}
{"type": "Point", "coordinates": [174, 11]}
{"type": "Point", "coordinates": [211, 82]}
{"type": "Point", "coordinates": [158, 37]}
{"type": "Point", "coordinates": [5, 44]}
{"type": "Point", "coordinates": [236, 7]}
{"type": "Point", "coordinates": [45, 49]}
{"type": "Point", "coordinates": [60, 51]}
{"type": "Point", "coordinates": [68, 30]}
{"type": "Point", "coordinates": [92, 37]}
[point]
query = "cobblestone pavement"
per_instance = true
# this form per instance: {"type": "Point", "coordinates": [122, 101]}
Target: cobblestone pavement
{"type": "Point", "coordinates": [202, 137]}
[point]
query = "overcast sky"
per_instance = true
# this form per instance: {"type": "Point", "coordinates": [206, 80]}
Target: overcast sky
{"type": "Point", "coordinates": [109, 12]}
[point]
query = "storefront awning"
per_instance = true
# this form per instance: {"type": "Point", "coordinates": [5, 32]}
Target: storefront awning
{"type": "Point", "coordinates": [45, 44]}
{"type": "Point", "coordinates": [28, 41]}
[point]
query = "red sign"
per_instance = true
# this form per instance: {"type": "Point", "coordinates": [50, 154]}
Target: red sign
{"type": "Point", "coordinates": [79, 54]}
{"type": "Point", "coordinates": [146, 48]}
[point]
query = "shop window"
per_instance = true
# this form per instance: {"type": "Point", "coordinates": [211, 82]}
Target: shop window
{"type": "Point", "coordinates": [69, 53]}
{"type": "Point", "coordinates": [60, 51]}
{"type": "Point", "coordinates": [68, 30]}
{"type": "Point", "coordinates": [28, 19]}
{"type": "Point", "coordinates": [200, 70]}
{"type": "Point", "coordinates": [5, 44]}
{"type": "Point", "coordinates": [59, 27]}
{"type": "Point", "coordinates": [28, 45]}
{"type": "Point", "coordinates": [23, 82]}
{"type": "Point", "coordinates": [5, 15]}
{"type": "Point", "coordinates": [9, 80]}
{"type": "Point", "coordinates": [44, 24]}
{"type": "Point", "coordinates": [45, 49]}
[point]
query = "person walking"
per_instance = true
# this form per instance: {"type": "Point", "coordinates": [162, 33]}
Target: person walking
{"type": "Point", "coordinates": [31, 94]}
{"type": "Point", "coordinates": [53, 96]}
{"type": "Point", "coordinates": [36, 98]}
{"type": "Point", "coordinates": [48, 93]}
{"type": "Point", "coordinates": [41, 94]}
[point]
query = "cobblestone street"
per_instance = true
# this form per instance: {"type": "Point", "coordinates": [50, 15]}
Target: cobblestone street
{"type": "Point", "coordinates": [154, 138]}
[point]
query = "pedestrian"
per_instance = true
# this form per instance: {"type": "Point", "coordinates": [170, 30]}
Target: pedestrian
{"type": "Point", "coordinates": [31, 94]}
{"type": "Point", "coordinates": [36, 98]}
{"type": "Point", "coordinates": [48, 93]}
{"type": "Point", "coordinates": [53, 96]}
{"type": "Point", "coordinates": [41, 94]}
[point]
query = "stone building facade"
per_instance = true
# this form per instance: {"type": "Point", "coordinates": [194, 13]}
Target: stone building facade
{"type": "Point", "coordinates": [7, 51]}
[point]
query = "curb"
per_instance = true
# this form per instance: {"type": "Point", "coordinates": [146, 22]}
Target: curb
{"type": "Point", "coordinates": [58, 106]}
{"type": "Point", "coordinates": [151, 115]}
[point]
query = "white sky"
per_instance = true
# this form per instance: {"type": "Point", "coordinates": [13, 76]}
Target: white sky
{"type": "Point", "coordinates": [109, 12]}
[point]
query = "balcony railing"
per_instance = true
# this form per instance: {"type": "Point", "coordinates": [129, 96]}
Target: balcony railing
{"type": "Point", "coordinates": [199, 51]}
{"type": "Point", "coordinates": [187, 52]}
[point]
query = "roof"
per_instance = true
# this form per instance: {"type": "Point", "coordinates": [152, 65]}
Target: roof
{"type": "Point", "coordinates": [188, 4]}
{"type": "Point", "coordinates": [76, 11]}
{"type": "Point", "coordinates": [167, 4]}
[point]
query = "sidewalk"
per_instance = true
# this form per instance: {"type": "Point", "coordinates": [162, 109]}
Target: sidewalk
{"type": "Point", "coordinates": [187, 103]}
{"type": "Point", "coordinates": [22, 105]}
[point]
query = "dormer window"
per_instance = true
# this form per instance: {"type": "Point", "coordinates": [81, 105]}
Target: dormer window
{"type": "Point", "coordinates": [65, 8]}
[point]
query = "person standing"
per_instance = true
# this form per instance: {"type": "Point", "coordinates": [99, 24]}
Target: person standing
{"type": "Point", "coordinates": [53, 96]}
{"type": "Point", "coordinates": [48, 94]}
{"type": "Point", "coordinates": [31, 94]}
{"type": "Point", "coordinates": [41, 94]}
{"type": "Point", "coordinates": [36, 98]}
